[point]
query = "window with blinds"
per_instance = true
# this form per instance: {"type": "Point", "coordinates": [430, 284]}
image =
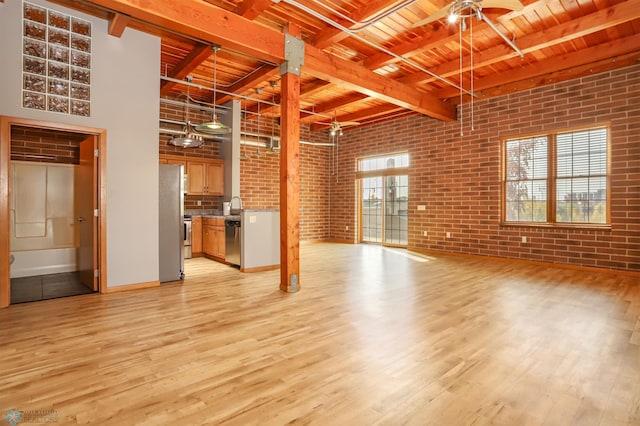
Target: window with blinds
{"type": "Point", "coordinates": [559, 178]}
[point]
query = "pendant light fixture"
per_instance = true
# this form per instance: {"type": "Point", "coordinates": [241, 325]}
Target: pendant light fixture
{"type": "Point", "coordinates": [190, 139]}
{"type": "Point", "coordinates": [214, 127]}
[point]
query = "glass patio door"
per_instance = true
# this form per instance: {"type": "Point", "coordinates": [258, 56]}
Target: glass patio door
{"type": "Point", "coordinates": [384, 209]}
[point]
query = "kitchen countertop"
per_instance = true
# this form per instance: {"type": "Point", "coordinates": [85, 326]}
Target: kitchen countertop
{"type": "Point", "coordinates": [212, 214]}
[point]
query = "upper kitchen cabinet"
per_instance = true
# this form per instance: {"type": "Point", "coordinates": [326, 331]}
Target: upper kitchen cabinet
{"type": "Point", "coordinates": [169, 160]}
{"type": "Point", "coordinates": [205, 177]}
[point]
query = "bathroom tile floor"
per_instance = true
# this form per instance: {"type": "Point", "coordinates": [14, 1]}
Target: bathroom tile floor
{"type": "Point", "coordinates": [42, 287]}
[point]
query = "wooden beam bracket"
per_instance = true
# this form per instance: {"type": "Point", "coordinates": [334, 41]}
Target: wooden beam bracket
{"type": "Point", "coordinates": [293, 55]}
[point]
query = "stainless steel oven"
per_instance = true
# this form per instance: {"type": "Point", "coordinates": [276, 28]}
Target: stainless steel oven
{"type": "Point", "coordinates": [187, 236]}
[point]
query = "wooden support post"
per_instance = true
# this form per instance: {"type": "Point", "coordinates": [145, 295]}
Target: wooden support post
{"type": "Point", "coordinates": [290, 169]}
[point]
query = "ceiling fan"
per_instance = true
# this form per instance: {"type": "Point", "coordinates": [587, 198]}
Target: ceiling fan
{"type": "Point", "coordinates": [335, 129]}
{"type": "Point", "coordinates": [461, 9]}
{"type": "Point", "coordinates": [464, 11]}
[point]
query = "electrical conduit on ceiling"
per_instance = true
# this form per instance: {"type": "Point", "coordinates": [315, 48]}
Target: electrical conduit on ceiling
{"type": "Point", "coordinates": [262, 101]}
{"type": "Point", "coordinates": [372, 44]}
{"type": "Point", "coordinates": [362, 25]}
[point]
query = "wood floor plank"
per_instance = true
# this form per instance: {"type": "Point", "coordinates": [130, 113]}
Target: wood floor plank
{"type": "Point", "coordinates": [377, 336]}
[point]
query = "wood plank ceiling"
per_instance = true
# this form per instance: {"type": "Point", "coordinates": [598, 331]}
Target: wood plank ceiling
{"type": "Point", "coordinates": [364, 60]}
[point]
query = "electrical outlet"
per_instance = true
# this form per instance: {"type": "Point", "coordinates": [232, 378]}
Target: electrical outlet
{"type": "Point", "coordinates": [421, 207]}
{"type": "Point", "coordinates": [346, 228]}
{"type": "Point", "coordinates": [524, 239]}
{"type": "Point", "coordinates": [448, 234]}
{"type": "Point", "coordinates": [199, 202]}
{"type": "Point", "coordinates": [424, 233]}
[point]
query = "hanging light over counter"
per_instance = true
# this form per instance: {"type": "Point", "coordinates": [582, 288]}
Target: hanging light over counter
{"type": "Point", "coordinates": [215, 126]}
{"type": "Point", "coordinates": [189, 140]}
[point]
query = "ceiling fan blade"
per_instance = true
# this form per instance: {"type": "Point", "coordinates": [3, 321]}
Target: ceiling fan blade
{"type": "Point", "coordinates": [435, 16]}
{"type": "Point", "coordinates": [348, 123]}
{"type": "Point", "coordinates": [503, 4]}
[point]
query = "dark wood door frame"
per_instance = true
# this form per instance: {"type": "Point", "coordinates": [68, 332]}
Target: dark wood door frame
{"type": "Point", "coordinates": [6, 123]}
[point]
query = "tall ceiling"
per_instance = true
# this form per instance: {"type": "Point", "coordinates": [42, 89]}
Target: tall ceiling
{"type": "Point", "coordinates": [366, 61]}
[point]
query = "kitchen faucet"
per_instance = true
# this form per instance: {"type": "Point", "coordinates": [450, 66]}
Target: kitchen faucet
{"type": "Point", "coordinates": [234, 198]}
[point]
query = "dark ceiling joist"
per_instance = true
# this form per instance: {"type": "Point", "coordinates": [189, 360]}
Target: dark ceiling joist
{"type": "Point", "coordinates": [189, 63]}
{"type": "Point", "coordinates": [213, 24]}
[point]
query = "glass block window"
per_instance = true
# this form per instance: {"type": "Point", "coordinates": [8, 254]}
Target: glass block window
{"type": "Point", "coordinates": [56, 61]}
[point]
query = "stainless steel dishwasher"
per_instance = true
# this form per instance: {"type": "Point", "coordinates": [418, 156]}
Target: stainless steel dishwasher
{"type": "Point", "coordinates": [232, 240]}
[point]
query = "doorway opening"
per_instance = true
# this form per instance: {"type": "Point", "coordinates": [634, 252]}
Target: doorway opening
{"type": "Point", "coordinates": [384, 199]}
{"type": "Point", "coordinates": [52, 226]}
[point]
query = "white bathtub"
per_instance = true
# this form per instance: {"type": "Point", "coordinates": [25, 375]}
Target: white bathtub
{"type": "Point", "coordinates": [42, 262]}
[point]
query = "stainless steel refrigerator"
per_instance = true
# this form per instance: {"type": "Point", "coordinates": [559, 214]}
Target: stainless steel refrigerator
{"type": "Point", "coordinates": [171, 229]}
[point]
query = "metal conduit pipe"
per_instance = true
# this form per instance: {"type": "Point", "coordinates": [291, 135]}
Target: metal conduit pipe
{"type": "Point", "coordinates": [237, 96]}
{"type": "Point", "coordinates": [374, 45]}
{"type": "Point", "coordinates": [242, 142]}
{"type": "Point", "coordinates": [361, 25]}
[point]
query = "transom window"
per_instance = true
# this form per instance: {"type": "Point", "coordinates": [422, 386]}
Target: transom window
{"type": "Point", "coordinates": [557, 178]}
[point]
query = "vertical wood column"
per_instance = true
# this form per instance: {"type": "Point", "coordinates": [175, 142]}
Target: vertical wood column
{"type": "Point", "coordinates": [290, 173]}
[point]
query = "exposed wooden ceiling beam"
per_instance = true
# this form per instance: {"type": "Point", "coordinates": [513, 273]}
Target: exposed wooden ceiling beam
{"type": "Point", "coordinates": [364, 114]}
{"type": "Point", "coordinates": [411, 48]}
{"type": "Point", "coordinates": [213, 24]}
{"type": "Point", "coordinates": [548, 66]}
{"type": "Point", "coordinates": [561, 33]}
{"type": "Point", "coordinates": [205, 22]}
{"type": "Point", "coordinates": [118, 24]}
{"type": "Point", "coordinates": [359, 79]}
{"type": "Point", "coordinates": [307, 89]}
{"type": "Point", "coordinates": [266, 72]}
{"type": "Point", "coordinates": [331, 35]}
{"type": "Point", "coordinates": [334, 104]}
{"type": "Point", "coordinates": [562, 75]}
{"type": "Point", "coordinates": [251, 9]}
{"type": "Point", "coordinates": [185, 66]}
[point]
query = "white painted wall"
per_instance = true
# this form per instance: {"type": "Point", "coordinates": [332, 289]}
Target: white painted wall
{"type": "Point", "coordinates": [124, 101]}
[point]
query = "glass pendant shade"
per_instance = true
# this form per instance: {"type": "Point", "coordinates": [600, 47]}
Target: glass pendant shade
{"type": "Point", "coordinates": [214, 127]}
{"type": "Point", "coordinates": [189, 140]}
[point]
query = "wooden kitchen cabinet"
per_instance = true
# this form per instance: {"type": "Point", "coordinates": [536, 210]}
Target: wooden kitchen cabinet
{"type": "Point", "coordinates": [214, 238]}
{"type": "Point", "coordinates": [196, 236]}
{"type": "Point", "coordinates": [173, 159]}
{"type": "Point", "coordinates": [205, 177]}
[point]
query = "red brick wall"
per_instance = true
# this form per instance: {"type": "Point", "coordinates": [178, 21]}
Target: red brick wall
{"type": "Point", "coordinates": [260, 179]}
{"type": "Point", "coordinates": [210, 149]}
{"type": "Point", "coordinates": [45, 146]}
{"type": "Point", "coordinates": [457, 177]}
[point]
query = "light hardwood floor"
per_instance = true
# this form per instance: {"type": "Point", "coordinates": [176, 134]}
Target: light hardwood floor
{"type": "Point", "coordinates": [375, 336]}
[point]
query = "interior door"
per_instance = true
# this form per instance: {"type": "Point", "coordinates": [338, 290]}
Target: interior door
{"type": "Point", "coordinates": [85, 203]}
